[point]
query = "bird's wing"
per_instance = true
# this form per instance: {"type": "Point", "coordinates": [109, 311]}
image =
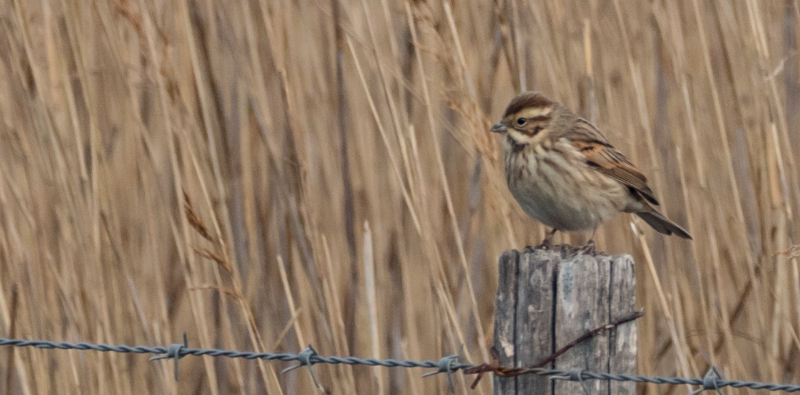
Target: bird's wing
{"type": "Point", "coordinates": [601, 155]}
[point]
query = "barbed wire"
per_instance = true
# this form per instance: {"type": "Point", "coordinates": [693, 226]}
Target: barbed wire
{"type": "Point", "coordinates": [447, 365]}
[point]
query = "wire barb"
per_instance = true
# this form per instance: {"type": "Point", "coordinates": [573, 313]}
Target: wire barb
{"type": "Point", "coordinates": [305, 357]}
{"type": "Point", "coordinates": [710, 382]}
{"type": "Point", "coordinates": [446, 367]}
{"type": "Point", "coordinates": [573, 375]}
{"type": "Point", "coordinates": [174, 352]}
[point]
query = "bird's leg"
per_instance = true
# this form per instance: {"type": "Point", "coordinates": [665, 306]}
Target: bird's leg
{"type": "Point", "coordinates": [548, 240]}
{"type": "Point", "coordinates": [590, 248]}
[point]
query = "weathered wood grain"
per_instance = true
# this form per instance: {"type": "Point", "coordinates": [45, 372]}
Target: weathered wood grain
{"type": "Point", "coordinates": [505, 318]}
{"type": "Point", "coordinates": [622, 339]}
{"type": "Point", "coordinates": [582, 305]}
{"type": "Point", "coordinates": [534, 316]}
{"type": "Point", "coordinates": [548, 298]}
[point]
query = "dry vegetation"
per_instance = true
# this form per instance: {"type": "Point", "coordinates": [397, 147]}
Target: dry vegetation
{"type": "Point", "coordinates": [268, 174]}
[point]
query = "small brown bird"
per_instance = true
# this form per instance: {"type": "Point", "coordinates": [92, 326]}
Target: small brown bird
{"type": "Point", "coordinates": [565, 174]}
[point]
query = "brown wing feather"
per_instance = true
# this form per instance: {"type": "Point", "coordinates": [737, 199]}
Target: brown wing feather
{"type": "Point", "coordinates": [601, 155]}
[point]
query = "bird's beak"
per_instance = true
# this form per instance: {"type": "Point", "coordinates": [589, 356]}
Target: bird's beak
{"type": "Point", "coordinates": [499, 128]}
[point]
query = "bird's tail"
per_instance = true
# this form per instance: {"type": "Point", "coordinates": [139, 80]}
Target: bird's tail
{"type": "Point", "coordinates": [661, 224]}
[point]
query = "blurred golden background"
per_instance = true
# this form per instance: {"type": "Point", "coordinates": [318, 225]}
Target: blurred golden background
{"type": "Point", "coordinates": [269, 174]}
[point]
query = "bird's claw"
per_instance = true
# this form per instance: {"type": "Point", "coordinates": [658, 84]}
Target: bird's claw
{"type": "Point", "coordinates": [589, 249]}
{"type": "Point", "coordinates": [530, 249]}
{"type": "Point", "coordinates": [545, 245]}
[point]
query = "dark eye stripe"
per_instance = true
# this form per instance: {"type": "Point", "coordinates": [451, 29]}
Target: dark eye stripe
{"type": "Point", "coordinates": [540, 118]}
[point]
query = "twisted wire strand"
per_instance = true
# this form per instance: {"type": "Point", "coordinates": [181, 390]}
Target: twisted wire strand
{"type": "Point", "coordinates": [445, 365]}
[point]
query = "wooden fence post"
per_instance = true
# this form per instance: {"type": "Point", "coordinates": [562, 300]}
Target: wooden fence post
{"type": "Point", "coordinates": [548, 298]}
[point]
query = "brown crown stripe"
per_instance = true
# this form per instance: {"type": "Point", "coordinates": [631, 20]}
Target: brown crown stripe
{"type": "Point", "coordinates": [527, 100]}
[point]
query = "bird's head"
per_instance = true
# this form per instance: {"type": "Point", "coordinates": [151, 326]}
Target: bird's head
{"type": "Point", "coordinates": [527, 118]}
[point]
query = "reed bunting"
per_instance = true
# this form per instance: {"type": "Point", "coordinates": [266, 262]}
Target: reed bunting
{"type": "Point", "coordinates": [565, 174]}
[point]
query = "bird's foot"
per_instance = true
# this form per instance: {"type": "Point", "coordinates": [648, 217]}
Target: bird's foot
{"type": "Point", "coordinates": [529, 249]}
{"type": "Point", "coordinates": [544, 245]}
{"type": "Point", "coordinates": [589, 249]}
{"type": "Point", "coordinates": [547, 243]}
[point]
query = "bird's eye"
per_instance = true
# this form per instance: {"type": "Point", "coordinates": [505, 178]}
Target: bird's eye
{"type": "Point", "coordinates": [521, 121]}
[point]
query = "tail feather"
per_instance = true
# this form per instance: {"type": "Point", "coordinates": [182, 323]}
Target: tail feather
{"type": "Point", "coordinates": [662, 225]}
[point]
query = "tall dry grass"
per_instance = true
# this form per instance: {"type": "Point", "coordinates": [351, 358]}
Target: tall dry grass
{"type": "Point", "coordinates": [269, 174]}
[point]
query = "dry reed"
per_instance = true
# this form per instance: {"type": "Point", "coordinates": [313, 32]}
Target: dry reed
{"type": "Point", "coordinates": [267, 174]}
